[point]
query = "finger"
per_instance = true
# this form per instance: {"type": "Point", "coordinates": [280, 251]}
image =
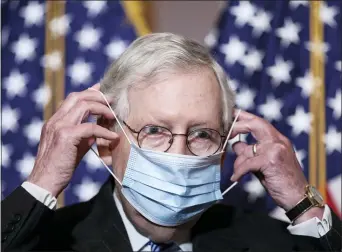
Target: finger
{"type": "Point", "coordinates": [244, 115]}
{"type": "Point", "coordinates": [83, 109]}
{"type": "Point", "coordinates": [249, 165]}
{"type": "Point", "coordinates": [239, 160]}
{"type": "Point", "coordinates": [96, 86]}
{"type": "Point", "coordinates": [87, 130]}
{"type": "Point", "coordinates": [239, 148]}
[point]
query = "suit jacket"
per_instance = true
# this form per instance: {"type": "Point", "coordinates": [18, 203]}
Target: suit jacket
{"type": "Point", "coordinates": [96, 225]}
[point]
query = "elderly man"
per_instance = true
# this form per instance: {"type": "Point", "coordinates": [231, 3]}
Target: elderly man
{"type": "Point", "coordinates": [164, 111]}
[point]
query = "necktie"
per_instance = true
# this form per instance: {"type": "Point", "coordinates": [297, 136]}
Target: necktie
{"type": "Point", "coordinates": [164, 247]}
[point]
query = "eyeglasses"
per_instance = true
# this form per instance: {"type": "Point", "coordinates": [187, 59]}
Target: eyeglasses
{"type": "Point", "coordinates": [200, 142]}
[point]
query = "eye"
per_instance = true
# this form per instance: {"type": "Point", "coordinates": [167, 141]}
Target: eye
{"type": "Point", "coordinates": [202, 134]}
{"type": "Point", "coordinates": [152, 130]}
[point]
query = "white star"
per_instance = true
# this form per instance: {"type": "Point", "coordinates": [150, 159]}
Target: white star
{"type": "Point", "coordinates": [261, 23]}
{"type": "Point", "coordinates": [88, 37]}
{"type": "Point", "coordinates": [300, 121]}
{"type": "Point", "coordinates": [211, 39]}
{"type": "Point", "coordinates": [280, 71]}
{"type": "Point", "coordinates": [317, 47]}
{"type": "Point", "coordinates": [327, 14]}
{"type": "Point", "coordinates": [115, 48]}
{"type": "Point", "coordinates": [60, 26]}
{"type": "Point", "coordinates": [24, 166]}
{"type": "Point", "coordinates": [234, 50]}
{"type": "Point", "coordinates": [80, 72]}
{"type": "Point", "coordinates": [94, 7]}
{"type": "Point", "coordinates": [24, 48]}
{"type": "Point", "coordinates": [33, 131]}
{"type": "Point", "coordinates": [335, 104]}
{"type": "Point", "coordinates": [307, 83]}
{"type": "Point", "coordinates": [233, 84]}
{"type": "Point", "coordinates": [86, 190]}
{"type": "Point", "coordinates": [333, 140]}
{"type": "Point", "coordinates": [289, 33]}
{"type": "Point", "coordinates": [300, 155]}
{"type": "Point", "coordinates": [245, 98]}
{"type": "Point", "coordinates": [15, 84]}
{"type": "Point", "coordinates": [295, 3]}
{"type": "Point", "coordinates": [253, 61]}
{"type": "Point", "coordinates": [92, 161]}
{"type": "Point", "coordinates": [10, 118]}
{"type": "Point", "coordinates": [271, 109]}
{"type": "Point", "coordinates": [52, 60]}
{"type": "Point", "coordinates": [41, 96]}
{"type": "Point", "coordinates": [254, 189]}
{"type": "Point", "coordinates": [33, 13]}
{"type": "Point", "coordinates": [4, 36]}
{"type": "Point", "coordinates": [243, 13]}
{"type": "Point", "coordinates": [338, 65]}
{"type": "Point", "coordinates": [6, 153]}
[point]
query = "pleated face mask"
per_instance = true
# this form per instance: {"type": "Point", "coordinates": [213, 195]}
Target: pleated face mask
{"type": "Point", "coordinates": [170, 189]}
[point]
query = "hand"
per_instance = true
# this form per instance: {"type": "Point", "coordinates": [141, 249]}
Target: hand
{"type": "Point", "coordinates": [65, 139]}
{"type": "Point", "coordinates": [275, 162]}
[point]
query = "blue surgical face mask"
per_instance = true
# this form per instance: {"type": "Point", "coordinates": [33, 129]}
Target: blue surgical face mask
{"type": "Point", "coordinates": [170, 189]}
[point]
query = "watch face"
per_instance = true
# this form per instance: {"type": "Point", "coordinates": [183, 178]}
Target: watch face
{"type": "Point", "coordinates": [316, 195]}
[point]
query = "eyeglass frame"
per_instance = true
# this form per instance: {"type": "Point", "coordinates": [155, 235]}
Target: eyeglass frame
{"type": "Point", "coordinates": [173, 135]}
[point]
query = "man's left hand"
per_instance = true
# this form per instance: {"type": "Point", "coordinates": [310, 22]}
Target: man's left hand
{"type": "Point", "coordinates": [273, 160]}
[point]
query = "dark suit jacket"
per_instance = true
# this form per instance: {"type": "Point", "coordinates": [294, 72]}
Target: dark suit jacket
{"type": "Point", "coordinates": [96, 225]}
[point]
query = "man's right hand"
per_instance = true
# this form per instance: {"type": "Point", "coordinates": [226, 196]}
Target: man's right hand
{"type": "Point", "coordinates": [65, 139]}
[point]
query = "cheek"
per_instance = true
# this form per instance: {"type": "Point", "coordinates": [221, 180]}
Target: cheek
{"type": "Point", "coordinates": [120, 157]}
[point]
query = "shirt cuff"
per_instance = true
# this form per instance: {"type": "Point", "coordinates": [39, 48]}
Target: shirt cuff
{"type": "Point", "coordinates": [40, 194]}
{"type": "Point", "coordinates": [313, 227]}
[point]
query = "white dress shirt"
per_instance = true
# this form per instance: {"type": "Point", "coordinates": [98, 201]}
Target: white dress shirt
{"type": "Point", "coordinates": [313, 227]}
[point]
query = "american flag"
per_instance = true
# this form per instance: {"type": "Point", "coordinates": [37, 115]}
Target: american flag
{"type": "Point", "coordinates": [265, 47]}
{"type": "Point", "coordinates": [95, 33]}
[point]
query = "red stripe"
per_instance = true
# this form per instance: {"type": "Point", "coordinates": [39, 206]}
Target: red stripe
{"type": "Point", "coordinates": [332, 204]}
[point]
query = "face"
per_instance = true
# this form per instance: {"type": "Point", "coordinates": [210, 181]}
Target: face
{"type": "Point", "coordinates": [180, 102]}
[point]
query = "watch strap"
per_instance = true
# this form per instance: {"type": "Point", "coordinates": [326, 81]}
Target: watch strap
{"type": "Point", "coordinates": [304, 205]}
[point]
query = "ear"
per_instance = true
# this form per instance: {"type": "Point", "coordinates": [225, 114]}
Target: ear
{"type": "Point", "coordinates": [104, 146]}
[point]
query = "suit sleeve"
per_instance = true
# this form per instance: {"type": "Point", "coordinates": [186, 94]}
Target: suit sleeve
{"type": "Point", "coordinates": [332, 241]}
{"type": "Point", "coordinates": [22, 218]}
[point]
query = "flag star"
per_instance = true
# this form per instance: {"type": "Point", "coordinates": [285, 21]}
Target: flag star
{"type": "Point", "coordinates": [80, 72]}
{"type": "Point", "coordinates": [254, 189]}
{"type": "Point", "coordinates": [33, 131]}
{"type": "Point", "coordinates": [271, 109]}
{"type": "Point", "coordinates": [300, 155]}
{"type": "Point", "coordinates": [15, 84]}
{"type": "Point", "coordinates": [335, 104]}
{"type": "Point", "coordinates": [41, 96]}
{"type": "Point", "coordinates": [289, 33]}
{"type": "Point", "coordinates": [261, 23]}
{"type": "Point", "coordinates": [327, 14]}
{"type": "Point", "coordinates": [253, 61]}
{"type": "Point", "coordinates": [24, 48]}
{"type": "Point", "coordinates": [233, 84]}
{"type": "Point", "coordinates": [115, 48]}
{"type": "Point", "coordinates": [243, 13]}
{"type": "Point", "coordinates": [25, 165]}
{"type": "Point", "coordinates": [94, 7]}
{"type": "Point", "coordinates": [92, 161]}
{"type": "Point", "coordinates": [307, 83]}
{"type": "Point", "coordinates": [6, 153]}
{"type": "Point", "coordinates": [280, 71]}
{"type": "Point", "coordinates": [234, 50]}
{"type": "Point", "coordinates": [338, 65]}
{"type": "Point", "coordinates": [211, 39]}
{"type": "Point", "coordinates": [295, 3]}
{"type": "Point", "coordinates": [88, 37]}
{"type": "Point", "coordinates": [86, 190]}
{"type": "Point", "coordinates": [300, 121]}
{"type": "Point", "coordinates": [245, 98]}
{"type": "Point", "coordinates": [9, 119]}
{"type": "Point", "coordinates": [317, 47]}
{"type": "Point", "coordinates": [60, 26]}
{"type": "Point", "coordinates": [52, 60]}
{"type": "Point", "coordinates": [4, 36]}
{"type": "Point", "coordinates": [33, 13]}
{"type": "Point", "coordinates": [332, 140]}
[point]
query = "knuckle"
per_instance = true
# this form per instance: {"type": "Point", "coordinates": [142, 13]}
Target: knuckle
{"type": "Point", "coordinates": [277, 152]}
{"type": "Point", "coordinates": [72, 96]}
{"type": "Point", "coordinates": [61, 134]}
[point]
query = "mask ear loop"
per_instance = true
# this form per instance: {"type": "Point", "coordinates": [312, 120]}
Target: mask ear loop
{"type": "Point", "coordinates": [110, 171]}
{"type": "Point", "coordinates": [224, 147]}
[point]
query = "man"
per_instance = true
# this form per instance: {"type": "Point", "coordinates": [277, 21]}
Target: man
{"type": "Point", "coordinates": [173, 111]}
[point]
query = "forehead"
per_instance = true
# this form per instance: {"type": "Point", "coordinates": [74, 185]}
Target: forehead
{"type": "Point", "coordinates": [183, 97]}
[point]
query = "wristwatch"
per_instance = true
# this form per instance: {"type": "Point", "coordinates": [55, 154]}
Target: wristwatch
{"type": "Point", "coordinates": [312, 198]}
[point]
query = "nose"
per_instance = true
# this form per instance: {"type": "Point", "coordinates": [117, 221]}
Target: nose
{"type": "Point", "coordinates": [178, 145]}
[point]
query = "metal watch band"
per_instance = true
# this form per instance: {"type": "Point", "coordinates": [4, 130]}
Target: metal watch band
{"type": "Point", "coordinates": [299, 209]}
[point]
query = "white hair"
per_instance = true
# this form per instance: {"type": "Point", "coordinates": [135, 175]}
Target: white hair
{"type": "Point", "coordinates": [156, 53]}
